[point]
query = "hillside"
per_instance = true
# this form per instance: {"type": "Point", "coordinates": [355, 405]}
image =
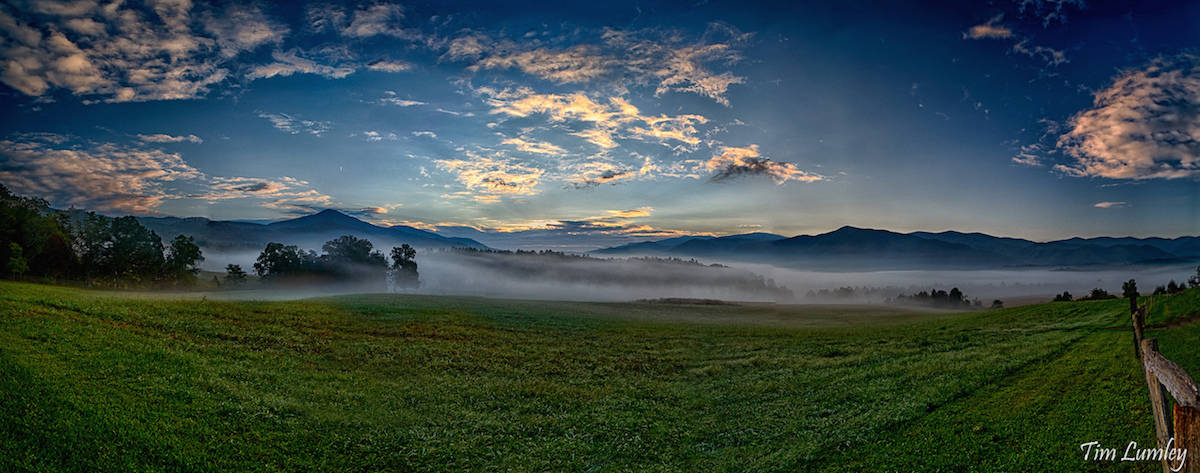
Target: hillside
{"type": "Point", "coordinates": [98, 381]}
{"type": "Point", "coordinates": [309, 231]}
{"type": "Point", "coordinates": [851, 248]}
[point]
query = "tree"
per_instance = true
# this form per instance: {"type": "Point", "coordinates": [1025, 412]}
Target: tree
{"type": "Point", "coordinates": [1130, 291]}
{"type": "Point", "coordinates": [351, 249]}
{"type": "Point", "coordinates": [997, 304]}
{"type": "Point", "coordinates": [277, 260]}
{"type": "Point", "coordinates": [234, 274]}
{"type": "Point", "coordinates": [16, 260]}
{"type": "Point", "coordinates": [182, 258]}
{"type": "Point", "coordinates": [404, 266]}
{"type": "Point", "coordinates": [1064, 297]}
{"type": "Point", "coordinates": [1173, 287]}
{"type": "Point", "coordinates": [136, 253]}
{"type": "Point", "coordinates": [1194, 281]}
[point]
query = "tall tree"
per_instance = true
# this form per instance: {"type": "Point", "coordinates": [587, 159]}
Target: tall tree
{"type": "Point", "coordinates": [404, 266]}
{"type": "Point", "coordinates": [182, 257]}
{"type": "Point", "coordinates": [1130, 291]}
{"type": "Point", "coordinates": [16, 261]}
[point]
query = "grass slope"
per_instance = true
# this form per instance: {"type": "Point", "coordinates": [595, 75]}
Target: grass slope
{"type": "Point", "coordinates": [95, 381]}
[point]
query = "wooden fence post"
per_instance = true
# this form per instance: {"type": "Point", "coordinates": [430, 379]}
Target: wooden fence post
{"type": "Point", "coordinates": [1187, 436]}
{"type": "Point", "coordinates": [1158, 398]}
{"type": "Point", "coordinates": [1139, 326]}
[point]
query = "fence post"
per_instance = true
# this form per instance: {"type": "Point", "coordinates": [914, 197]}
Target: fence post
{"type": "Point", "coordinates": [1187, 436]}
{"type": "Point", "coordinates": [1139, 322]}
{"type": "Point", "coordinates": [1162, 425]}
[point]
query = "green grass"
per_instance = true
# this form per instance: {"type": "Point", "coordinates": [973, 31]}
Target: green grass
{"type": "Point", "coordinates": [95, 381]}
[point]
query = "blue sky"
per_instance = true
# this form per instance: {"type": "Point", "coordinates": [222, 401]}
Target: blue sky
{"type": "Point", "coordinates": [575, 124]}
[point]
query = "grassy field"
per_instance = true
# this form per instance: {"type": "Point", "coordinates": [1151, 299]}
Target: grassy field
{"type": "Point", "coordinates": [95, 381]}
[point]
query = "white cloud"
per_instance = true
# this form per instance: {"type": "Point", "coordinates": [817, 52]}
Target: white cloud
{"type": "Point", "coordinates": [164, 138]}
{"type": "Point", "coordinates": [288, 63]}
{"type": "Point", "coordinates": [105, 177]}
{"type": "Point", "coordinates": [385, 65]}
{"type": "Point", "coordinates": [295, 125]}
{"type": "Point", "coordinates": [736, 162]}
{"type": "Point", "coordinates": [536, 147]}
{"type": "Point", "coordinates": [1143, 126]}
{"type": "Point", "coordinates": [1110, 205]}
{"type": "Point", "coordinates": [427, 134]}
{"type": "Point", "coordinates": [665, 60]}
{"type": "Point", "coordinates": [489, 177]}
{"type": "Point", "coordinates": [244, 28]}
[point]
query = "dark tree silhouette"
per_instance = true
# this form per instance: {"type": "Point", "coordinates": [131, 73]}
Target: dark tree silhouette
{"type": "Point", "coordinates": [1064, 297]}
{"type": "Point", "coordinates": [404, 266]}
{"type": "Point", "coordinates": [234, 274]}
{"type": "Point", "coordinates": [1130, 291]}
{"type": "Point", "coordinates": [997, 304]}
{"type": "Point", "coordinates": [277, 260]}
{"type": "Point", "coordinates": [182, 258]}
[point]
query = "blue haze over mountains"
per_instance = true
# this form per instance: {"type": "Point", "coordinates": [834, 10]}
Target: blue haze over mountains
{"type": "Point", "coordinates": [847, 248]}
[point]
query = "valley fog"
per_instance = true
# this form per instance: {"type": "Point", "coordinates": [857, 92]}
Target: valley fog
{"type": "Point", "coordinates": [567, 277]}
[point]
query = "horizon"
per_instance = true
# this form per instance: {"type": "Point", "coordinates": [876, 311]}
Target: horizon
{"type": "Point", "coordinates": [611, 124]}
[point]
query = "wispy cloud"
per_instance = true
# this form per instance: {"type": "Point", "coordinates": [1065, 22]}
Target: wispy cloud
{"type": "Point", "coordinates": [536, 147]}
{"type": "Point", "coordinates": [1110, 205]}
{"type": "Point", "coordinates": [295, 125]}
{"type": "Point", "coordinates": [288, 63]}
{"type": "Point", "coordinates": [164, 138]}
{"type": "Point", "coordinates": [992, 29]}
{"type": "Point", "coordinates": [490, 177]}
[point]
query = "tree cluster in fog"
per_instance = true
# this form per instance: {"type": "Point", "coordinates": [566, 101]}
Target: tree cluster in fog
{"type": "Point", "coordinates": [39, 241]}
{"type": "Point", "coordinates": [345, 259]}
{"type": "Point", "coordinates": [952, 299]}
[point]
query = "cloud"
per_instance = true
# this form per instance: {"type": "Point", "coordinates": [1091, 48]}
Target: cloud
{"type": "Point", "coordinates": [163, 138]}
{"type": "Point", "coordinates": [243, 28]}
{"type": "Point", "coordinates": [666, 60]}
{"type": "Point", "coordinates": [116, 52]}
{"type": "Point", "coordinates": [535, 147]}
{"type": "Point", "coordinates": [427, 134]}
{"type": "Point", "coordinates": [493, 176]}
{"type": "Point", "coordinates": [1030, 155]}
{"type": "Point", "coordinates": [595, 173]}
{"type": "Point", "coordinates": [989, 30]}
{"type": "Point", "coordinates": [104, 177]}
{"type": "Point", "coordinates": [288, 63]}
{"type": "Point", "coordinates": [580, 63]}
{"type": "Point", "coordinates": [294, 125]}
{"type": "Point", "coordinates": [387, 65]}
{"type": "Point", "coordinates": [1110, 205]}
{"type": "Point", "coordinates": [391, 99]}
{"type": "Point", "coordinates": [1051, 56]}
{"type": "Point", "coordinates": [1048, 10]}
{"type": "Point", "coordinates": [736, 162]}
{"type": "Point", "coordinates": [601, 122]}
{"type": "Point", "coordinates": [1145, 125]}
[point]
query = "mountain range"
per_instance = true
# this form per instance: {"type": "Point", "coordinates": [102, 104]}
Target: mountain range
{"type": "Point", "coordinates": [309, 231]}
{"type": "Point", "coordinates": [847, 248]}
{"type": "Point", "coordinates": [851, 248]}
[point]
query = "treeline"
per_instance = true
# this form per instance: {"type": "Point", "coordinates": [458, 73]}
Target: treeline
{"type": "Point", "coordinates": [952, 299]}
{"type": "Point", "coordinates": [37, 241]}
{"type": "Point", "coordinates": [346, 259]}
{"type": "Point", "coordinates": [1130, 288]}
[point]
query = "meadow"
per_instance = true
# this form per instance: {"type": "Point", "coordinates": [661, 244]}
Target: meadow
{"type": "Point", "coordinates": [109, 381]}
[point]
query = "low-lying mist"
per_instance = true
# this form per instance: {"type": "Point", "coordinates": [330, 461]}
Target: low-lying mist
{"type": "Point", "coordinates": [527, 275]}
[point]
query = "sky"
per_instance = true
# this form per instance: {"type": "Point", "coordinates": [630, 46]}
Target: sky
{"type": "Point", "coordinates": [584, 124]}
